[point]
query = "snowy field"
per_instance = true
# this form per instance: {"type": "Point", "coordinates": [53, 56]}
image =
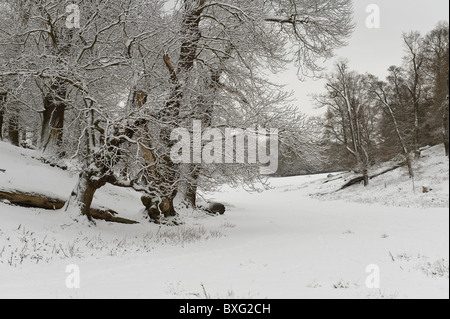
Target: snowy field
{"type": "Point", "coordinates": [287, 242]}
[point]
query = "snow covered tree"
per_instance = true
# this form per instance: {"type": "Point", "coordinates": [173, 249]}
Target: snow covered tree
{"type": "Point", "coordinates": [351, 117]}
{"type": "Point", "coordinates": [216, 62]}
{"type": "Point", "coordinates": [209, 65]}
{"type": "Point", "coordinates": [136, 70]}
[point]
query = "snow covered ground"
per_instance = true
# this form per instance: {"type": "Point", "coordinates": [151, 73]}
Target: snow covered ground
{"type": "Point", "coordinates": [287, 242]}
{"type": "Point", "coordinates": [396, 188]}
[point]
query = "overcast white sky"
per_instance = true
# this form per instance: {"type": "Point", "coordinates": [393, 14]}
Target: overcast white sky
{"type": "Point", "coordinates": [374, 50]}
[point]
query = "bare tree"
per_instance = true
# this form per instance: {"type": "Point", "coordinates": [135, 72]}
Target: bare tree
{"type": "Point", "coordinates": [415, 59]}
{"type": "Point", "coordinates": [436, 72]}
{"type": "Point", "coordinates": [388, 96]}
{"type": "Point", "coordinates": [351, 114]}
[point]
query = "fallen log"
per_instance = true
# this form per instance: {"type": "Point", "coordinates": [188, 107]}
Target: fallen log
{"type": "Point", "coordinates": [354, 181]}
{"type": "Point", "coordinates": [32, 200]}
{"type": "Point", "coordinates": [50, 163]}
{"type": "Point", "coordinates": [333, 179]}
{"type": "Point", "coordinates": [360, 179]}
{"type": "Point", "coordinates": [388, 170]}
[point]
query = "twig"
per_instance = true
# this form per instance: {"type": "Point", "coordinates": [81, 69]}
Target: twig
{"type": "Point", "coordinates": [393, 259]}
{"type": "Point", "coordinates": [207, 296]}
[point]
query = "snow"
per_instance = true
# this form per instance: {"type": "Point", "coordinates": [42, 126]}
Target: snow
{"type": "Point", "coordinates": [25, 172]}
{"type": "Point", "coordinates": [396, 188]}
{"type": "Point", "coordinates": [287, 242]}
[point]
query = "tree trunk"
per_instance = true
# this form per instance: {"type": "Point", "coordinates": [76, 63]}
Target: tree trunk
{"type": "Point", "coordinates": [416, 131]}
{"type": "Point", "coordinates": [13, 130]}
{"type": "Point", "coordinates": [445, 122]}
{"type": "Point", "coordinates": [366, 177]}
{"type": "Point", "coordinates": [187, 194]}
{"type": "Point", "coordinates": [82, 196]}
{"type": "Point", "coordinates": [191, 195]}
{"type": "Point", "coordinates": [190, 31]}
{"type": "Point", "coordinates": [410, 167]}
{"type": "Point", "coordinates": [401, 139]}
{"type": "Point", "coordinates": [53, 118]}
{"type": "Point", "coordinates": [2, 112]}
{"type": "Point", "coordinates": [31, 200]}
{"type": "Point", "coordinates": [156, 208]}
{"type": "Point", "coordinates": [167, 180]}
{"type": "Point", "coordinates": [187, 187]}
{"type": "Point", "coordinates": [446, 131]}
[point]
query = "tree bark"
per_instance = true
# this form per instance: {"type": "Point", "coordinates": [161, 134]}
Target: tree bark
{"type": "Point", "coordinates": [31, 200]}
